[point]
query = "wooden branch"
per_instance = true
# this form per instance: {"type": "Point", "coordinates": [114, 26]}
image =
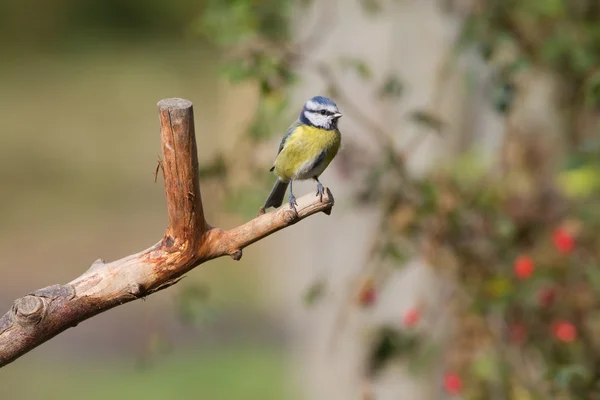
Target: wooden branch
{"type": "Point", "coordinates": [188, 242]}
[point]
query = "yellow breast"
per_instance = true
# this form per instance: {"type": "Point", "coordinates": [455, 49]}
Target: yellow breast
{"type": "Point", "coordinates": [302, 148]}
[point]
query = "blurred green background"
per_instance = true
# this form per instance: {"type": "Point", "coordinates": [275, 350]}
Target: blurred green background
{"type": "Point", "coordinates": [79, 83]}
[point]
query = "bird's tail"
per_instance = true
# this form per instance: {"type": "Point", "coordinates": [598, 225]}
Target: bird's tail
{"type": "Point", "coordinates": [277, 193]}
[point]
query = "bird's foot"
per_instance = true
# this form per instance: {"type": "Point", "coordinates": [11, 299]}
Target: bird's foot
{"type": "Point", "coordinates": [320, 191]}
{"type": "Point", "coordinates": [293, 203]}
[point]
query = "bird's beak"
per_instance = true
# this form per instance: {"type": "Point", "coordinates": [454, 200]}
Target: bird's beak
{"type": "Point", "coordinates": [337, 115]}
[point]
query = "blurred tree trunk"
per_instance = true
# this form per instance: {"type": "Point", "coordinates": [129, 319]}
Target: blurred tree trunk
{"type": "Point", "coordinates": [411, 40]}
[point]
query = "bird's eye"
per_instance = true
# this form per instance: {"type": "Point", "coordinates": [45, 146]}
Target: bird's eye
{"type": "Point", "coordinates": [323, 112]}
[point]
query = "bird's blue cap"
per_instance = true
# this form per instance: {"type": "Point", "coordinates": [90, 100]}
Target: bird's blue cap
{"type": "Point", "coordinates": [323, 100]}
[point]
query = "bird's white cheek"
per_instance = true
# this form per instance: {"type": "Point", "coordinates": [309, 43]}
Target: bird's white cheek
{"type": "Point", "coordinates": [311, 117]}
{"type": "Point", "coordinates": [317, 119]}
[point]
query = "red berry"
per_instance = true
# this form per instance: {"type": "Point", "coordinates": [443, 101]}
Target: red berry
{"type": "Point", "coordinates": [564, 331]}
{"type": "Point", "coordinates": [452, 383]}
{"type": "Point", "coordinates": [563, 241]}
{"type": "Point", "coordinates": [523, 267]}
{"type": "Point", "coordinates": [412, 317]}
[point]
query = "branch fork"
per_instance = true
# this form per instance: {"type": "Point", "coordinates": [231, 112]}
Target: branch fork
{"type": "Point", "coordinates": [188, 242]}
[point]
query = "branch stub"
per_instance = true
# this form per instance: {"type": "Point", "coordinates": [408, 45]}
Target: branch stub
{"type": "Point", "coordinates": [29, 310]}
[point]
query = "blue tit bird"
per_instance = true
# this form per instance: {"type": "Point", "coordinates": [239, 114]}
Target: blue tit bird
{"type": "Point", "coordinates": [306, 149]}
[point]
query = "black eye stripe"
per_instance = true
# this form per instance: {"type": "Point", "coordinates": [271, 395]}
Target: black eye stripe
{"type": "Point", "coordinates": [323, 112]}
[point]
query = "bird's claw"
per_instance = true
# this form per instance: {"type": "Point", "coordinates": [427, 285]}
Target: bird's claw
{"type": "Point", "coordinates": [320, 191]}
{"type": "Point", "coordinates": [293, 203]}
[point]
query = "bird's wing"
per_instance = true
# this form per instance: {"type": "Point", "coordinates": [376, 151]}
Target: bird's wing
{"type": "Point", "coordinates": [317, 161]}
{"type": "Point", "coordinates": [288, 133]}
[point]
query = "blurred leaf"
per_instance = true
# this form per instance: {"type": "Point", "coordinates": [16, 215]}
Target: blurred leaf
{"type": "Point", "coordinates": [503, 95]}
{"type": "Point", "coordinates": [468, 170]}
{"type": "Point", "coordinates": [581, 59]}
{"type": "Point", "coordinates": [580, 182]}
{"type": "Point", "coordinates": [486, 366]}
{"type": "Point", "coordinates": [271, 110]}
{"type": "Point", "coordinates": [551, 8]}
{"type": "Point", "coordinates": [427, 119]}
{"type": "Point", "coordinates": [428, 196]}
{"type": "Point", "coordinates": [544, 9]}
{"type": "Point", "coordinates": [315, 292]}
{"type": "Point", "coordinates": [555, 50]}
{"type": "Point", "coordinates": [235, 15]}
{"type": "Point", "coordinates": [214, 169]}
{"type": "Point", "coordinates": [392, 87]}
{"type": "Point", "coordinates": [593, 275]}
{"type": "Point", "coordinates": [393, 251]}
{"type": "Point", "coordinates": [236, 71]}
{"type": "Point", "coordinates": [498, 287]}
{"type": "Point", "coordinates": [520, 393]}
{"type": "Point", "coordinates": [592, 91]}
{"type": "Point", "coordinates": [566, 375]}
{"type": "Point", "coordinates": [229, 22]}
{"type": "Point", "coordinates": [370, 191]}
{"type": "Point", "coordinates": [371, 6]}
{"type": "Point", "coordinates": [271, 71]}
{"type": "Point", "coordinates": [247, 200]}
{"type": "Point", "coordinates": [505, 227]}
{"type": "Point", "coordinates": [389, 343]}
{"type": "Point", "coordinates": [469, 35]}
{"type": "Point", "coordinates": [260, 128]}
{"type": "Point", "coordinates": [357, 65]}
{"type": "Point", "coordinates": [575, 160]}
{"type": "Point", "coordinates": [520, 64]}
{"type": "Point", "coordinates": [425, 357]}
{"type": "Point", "coordinates": [274, 76]}
{"type": "Point", "coordinates": [305, 3]}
